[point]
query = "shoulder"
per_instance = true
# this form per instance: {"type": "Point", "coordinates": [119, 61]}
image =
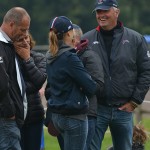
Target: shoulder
{"type": "Point", "coordinates": [132, 33]}
{"type": "Point", "coordinates": [7, 50]}
{"type": "Point", "coordinates": [71, 55]}
{"type": "Point", "coordinates": [37, 55]}
{"type": "Point", "coordinates": [135, 37]}
{"type": "Point", "coordinates": [88, 52]}
{"type": "Point", "coordinates": [70, 58]}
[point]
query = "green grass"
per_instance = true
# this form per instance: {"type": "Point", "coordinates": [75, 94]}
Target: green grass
{"type": "Point", "coordinates": [52, 144]}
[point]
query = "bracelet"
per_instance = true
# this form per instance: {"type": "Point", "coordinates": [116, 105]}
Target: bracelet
{"type": "Point", "coordinates": [134, 105]}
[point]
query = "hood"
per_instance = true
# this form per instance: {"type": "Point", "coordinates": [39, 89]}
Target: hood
{"type": "Point", "coordinates": [62, 48]}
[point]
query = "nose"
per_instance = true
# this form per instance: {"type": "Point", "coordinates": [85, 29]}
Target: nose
{"type": "Point", "coordinates": [100, 12]}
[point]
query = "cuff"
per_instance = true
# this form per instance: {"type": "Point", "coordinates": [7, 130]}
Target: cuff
{"type": "Point", "coordinates": [134, 105]}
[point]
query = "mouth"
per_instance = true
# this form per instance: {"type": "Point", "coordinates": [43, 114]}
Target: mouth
{"type": "Point", "coordinates": [102, 19]}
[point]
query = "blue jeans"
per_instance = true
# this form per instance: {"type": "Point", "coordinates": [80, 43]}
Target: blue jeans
{"type": "Point", "coordinates": [91, 131]}
{"type": "Point", "coordinates": [73, 131]}
{"type": "Point", "coordinates": [120, 124]}
{"type": "Point", "coordinates": [9, 135]}
{"type": "Point", "coordinates": [60, 141]}
{"type": "Point", "coordinates": [31, 136]}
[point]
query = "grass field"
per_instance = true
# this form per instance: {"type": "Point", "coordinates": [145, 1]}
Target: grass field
{"type": "Point", "coordinates": [52, 144]}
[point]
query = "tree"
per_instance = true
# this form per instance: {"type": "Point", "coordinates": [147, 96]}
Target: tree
{"type": "Point", "coordinates": [80, 12]}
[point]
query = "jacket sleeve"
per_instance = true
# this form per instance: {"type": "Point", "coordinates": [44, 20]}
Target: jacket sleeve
{"type": "Point", "coordinates": [93, 65]}
{"type": "Point", "coordinates": [47, 91]}
{"type": "Point", "coordinates": [81, 76]}
{"type": "Point", "coordinates": [36, 72]}
{"type": "Point", "coordinates": [143, 67]}
{"type": "Point", "coordinates": [4, 81]}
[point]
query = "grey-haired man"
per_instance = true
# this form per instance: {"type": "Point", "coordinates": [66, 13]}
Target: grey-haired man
{"type": "Point", "coordinates": [16, 23]}
{"type": "Point", "coordinates": [126, 74]}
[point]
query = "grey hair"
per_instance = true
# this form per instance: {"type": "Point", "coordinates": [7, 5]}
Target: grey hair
{"type": "Point", "coordinates": [15, 14]}
{"type": "Point", "coordinates": [115, 8]}
{"type": "Point", "coordinates": [78, 30]}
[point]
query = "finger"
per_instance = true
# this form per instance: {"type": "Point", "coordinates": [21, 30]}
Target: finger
{"type": "Point", "coordinates": [122, 107]}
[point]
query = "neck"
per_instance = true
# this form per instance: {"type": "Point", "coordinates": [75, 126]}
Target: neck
{"type": "Point", "coordinates": [5, 28]}
{"type": "Point", "coordinates": [108, 28]}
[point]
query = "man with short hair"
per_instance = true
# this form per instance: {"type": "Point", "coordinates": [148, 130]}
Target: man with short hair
{"type": "Point", "coordinates": [15, 24]}
{"type": "Point", "coordinates": [126, 63]}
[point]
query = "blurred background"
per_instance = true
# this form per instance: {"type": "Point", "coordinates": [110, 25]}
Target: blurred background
{"type": "Point", "coordinates": [134, 14]}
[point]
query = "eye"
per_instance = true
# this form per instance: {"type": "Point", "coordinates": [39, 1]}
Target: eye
{"type": "Point", "coordinates": [24, 30]}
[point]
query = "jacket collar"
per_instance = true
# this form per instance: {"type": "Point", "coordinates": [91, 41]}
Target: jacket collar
{"type": "Point", "coordinates": [4, 37]}
{"type": "Point", "coordinates": [98, 28]}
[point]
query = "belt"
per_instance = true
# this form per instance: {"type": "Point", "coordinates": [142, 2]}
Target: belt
{"type": "Point", "coordinates": [113, 105]}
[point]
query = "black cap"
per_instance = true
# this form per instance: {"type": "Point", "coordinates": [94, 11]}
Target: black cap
{"type": "Point", "coordinates": [105, 4]}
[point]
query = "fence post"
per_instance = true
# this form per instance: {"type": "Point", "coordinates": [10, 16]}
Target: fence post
{"type": "Point", "coordinates": [138, 114]}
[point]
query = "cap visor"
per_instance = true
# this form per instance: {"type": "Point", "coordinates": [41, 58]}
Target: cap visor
{"type": "Point", "coordinates": [101, 8]}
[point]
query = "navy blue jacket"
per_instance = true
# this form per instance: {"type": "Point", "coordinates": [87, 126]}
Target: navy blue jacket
{"type": "Point", "coordinates": [69, 83]}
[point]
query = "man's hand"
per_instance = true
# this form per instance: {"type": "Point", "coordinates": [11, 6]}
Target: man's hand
{"type": "Point", "coordinates": [42, 91]}
{"type": "Point", "coordinates": [127, 107]}
{"type": "Point", "coordinates": [22, 48]}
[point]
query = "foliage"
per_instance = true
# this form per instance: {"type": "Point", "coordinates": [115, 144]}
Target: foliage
{"type": "Point", "coordinates": [80, 12]}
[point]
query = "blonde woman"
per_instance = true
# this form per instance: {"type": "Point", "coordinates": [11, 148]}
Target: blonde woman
{"type": "Point", "coordinates": [69, 83]}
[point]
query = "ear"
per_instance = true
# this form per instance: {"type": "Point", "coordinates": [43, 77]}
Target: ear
{"type": "Point", "coordinates": [68, 34]}
{"type": "Point", "coordinates": [117, 12]}
{"type": "Point", "coordinates": [11, 24]}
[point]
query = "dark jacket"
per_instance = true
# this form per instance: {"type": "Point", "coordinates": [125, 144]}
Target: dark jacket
{"type": "Point", "coordinates": [129, 75]}
{"type": "Point", "coordinates": [93, 64]}
{"type": "Point", "coordinates": [11, 101]}
{"type": "Point", "coordinates": [69, 82]}
{"type": "Point", "coordinates": [34, 73]}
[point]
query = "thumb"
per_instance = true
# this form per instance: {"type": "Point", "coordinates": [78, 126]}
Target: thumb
{"type": "Point", "coordinates": [122, 107]}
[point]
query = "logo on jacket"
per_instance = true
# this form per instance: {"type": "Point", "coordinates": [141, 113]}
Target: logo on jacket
{"type": "Point", "coordinates": [125, 41]}
{"type": "Point", "coordinates": [148, 53]}
{"type": "Point", "coordinates": [100, 1]}
{"type": "Point", "coordinates": [1, 59]}
{"type": "Point", "coordinates": [95, 42]}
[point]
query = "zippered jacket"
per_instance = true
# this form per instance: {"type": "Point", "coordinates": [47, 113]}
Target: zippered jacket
{"type": "Point", "coordinates": [93, 65]}
{"type": "Point", "coordinates": [69, 83]}
{"type": "Point", "coordinates": [11, 101]}
{"type": "Point", "coordinates": [34, 73]}
{"type": "Point", "coordinates": [127, 77]}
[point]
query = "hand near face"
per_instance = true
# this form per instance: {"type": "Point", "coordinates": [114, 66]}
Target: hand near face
{"type": "Point", "coordinates": [22, 47]}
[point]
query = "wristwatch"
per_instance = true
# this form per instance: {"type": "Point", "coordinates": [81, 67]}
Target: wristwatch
{"type": "Point", "coordinates": [134, 105]}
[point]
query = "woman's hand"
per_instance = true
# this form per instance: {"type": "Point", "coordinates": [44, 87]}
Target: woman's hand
{"type": "Point", "coordinates": [22, 48]}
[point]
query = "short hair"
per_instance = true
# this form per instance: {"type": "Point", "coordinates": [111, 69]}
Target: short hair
{"type": "Point", "coordinates": [78, 30]}
{"type": "Point", "coordinates": [15, 14]}
{"type": "Point", "coordinates": [115, 9]}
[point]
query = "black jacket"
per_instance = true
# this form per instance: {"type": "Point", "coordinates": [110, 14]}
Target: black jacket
{"type": "Point", "coordinates": [11, 101]}
{"type": "Point", "coordinates": [34, 73]}
{"type": "Point", "coordinates": [128, 77]}
{"type": "Point", "coordinates": [93, 65]}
